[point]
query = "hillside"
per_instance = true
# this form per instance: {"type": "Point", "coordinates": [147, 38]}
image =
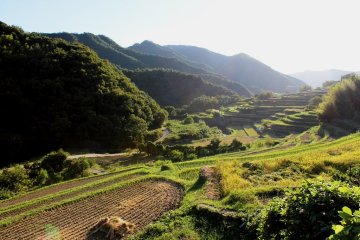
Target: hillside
{"type": "Point", "coordinates": [241, 68]}
{"type": "Point", "coordinates": [55, 94]}
{"type": "Point", "coordinates": [173, 88]}
{"type": "Point", "coordinates": [122, 57]}
{"type": "Point", "coordinates": [317, 78]}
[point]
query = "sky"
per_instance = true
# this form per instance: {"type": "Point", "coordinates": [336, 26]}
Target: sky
{"type": "Point", "coordinates": [288, 35]}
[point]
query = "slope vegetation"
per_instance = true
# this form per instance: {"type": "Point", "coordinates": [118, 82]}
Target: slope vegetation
{"type": "Point", "coordinates": [55, 94]}
{"type": "Point", "coordinates": [173, 88]}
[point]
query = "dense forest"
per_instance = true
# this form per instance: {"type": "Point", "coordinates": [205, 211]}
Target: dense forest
{"type": "Point", "coordinates": [174, 88]}
{"type": "Point", "coordinates": [57, 94]}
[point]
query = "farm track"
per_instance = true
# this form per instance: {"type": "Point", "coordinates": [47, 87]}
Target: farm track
{"type": "Point", "coordinates": [66, 196]}
{"type": "Point", "coordinates": [213, 188]}
{"type": "Point", "coordinates": [140, 203]}
{"type": "Point", "coordinates": [56, 188]}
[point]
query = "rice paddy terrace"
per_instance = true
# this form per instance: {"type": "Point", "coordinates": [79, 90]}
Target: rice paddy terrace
{"type": "Point", "coordinates": [70, 209]}
{"type": "Point", "coordinates": [285, 111]}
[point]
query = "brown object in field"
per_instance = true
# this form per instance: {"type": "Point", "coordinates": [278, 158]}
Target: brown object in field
{"type": "Point", "coordinates": [114, 227]}
{"type": "Point", "coordinates": [213, 188]}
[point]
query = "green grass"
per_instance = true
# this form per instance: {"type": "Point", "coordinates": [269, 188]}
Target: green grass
{"type": "Point", "coordinates": [250, 131]}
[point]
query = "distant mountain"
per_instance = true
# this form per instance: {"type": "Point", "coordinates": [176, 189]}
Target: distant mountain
{"type": "Point", "coordinates": [124, 57]}
{"type": "Point", "coordinates": [317, 78]}
{"type": "Point", "coordinates": [241, 68]}
{"type": "Point", "coordinates": [138, 57]}
{"type": "Point", "coordinates": [174, 88]}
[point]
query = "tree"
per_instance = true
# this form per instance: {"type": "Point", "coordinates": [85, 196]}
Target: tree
{"type": "Point", "coordinates": [305, 88]}
{"type": "Point", "coordinates": [54, 162]}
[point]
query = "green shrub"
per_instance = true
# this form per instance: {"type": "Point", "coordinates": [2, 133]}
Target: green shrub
{"type": "Point", "coordinates": [76, 168]}
{"type": "Point", "coordinates": [342, 101]}
{"type": "Point", "coordinates": [15, 179]}
{"type": "Point", "coordinates": [176, 156]}
{"type": "Point", "coordinates": [349, 227]}
{"type": "Point", "coordinates": [188, 120]}
{"type": "Point", "coordinates": [55, 161]}
{"type": "Point", "coordinates": [42, 178]}
{"type": "Point", "coordinates": [307, 212]}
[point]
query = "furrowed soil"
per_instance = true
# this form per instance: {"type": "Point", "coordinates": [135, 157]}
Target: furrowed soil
{"type": "Point", "coordinates": [66, 196]}
{"type": "Point", "coordinates": [55, 188]}
{"type": "Point", "coordinates": [140, 203]}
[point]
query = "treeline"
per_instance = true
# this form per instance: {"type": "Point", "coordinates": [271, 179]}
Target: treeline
{"type": "Point", "coordinates": [342, 101]}
{"type": "Point", "coordinates": [54, 167]}
{"type": "Point", "coordinates": [54, 94]}
{"type": "Point", "coordinates": [177, 153]}
{"type": "Point", "coordinates": [169, 87]}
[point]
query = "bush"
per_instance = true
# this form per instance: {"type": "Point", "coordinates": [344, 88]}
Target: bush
{"type": "Point", "coordinates": [350, 225]}
{"type": "Point", "coordinates": [342, 101]}
{"type": "Point", "coordinates": [307, 212]}
{"type": "Point", "coordinates": [188, 120]}
{"type": "Point", "coordinates": [176, 155]}
{"type": "Point", "coordinates": [76, 168]}
{"type": "Point", "coordinates": [42, 178]}
{"type": "Point", "coordinates": [15, 179]}
{"type": "Point", "coordinates": [54, 162]}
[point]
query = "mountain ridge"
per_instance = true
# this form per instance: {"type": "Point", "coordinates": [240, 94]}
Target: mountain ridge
{"type": "Point", "coordinates": [241, 67]}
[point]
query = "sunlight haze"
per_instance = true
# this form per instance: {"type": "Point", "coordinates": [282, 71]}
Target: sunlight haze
{"type": "Point", "coordinates": [289, 36]}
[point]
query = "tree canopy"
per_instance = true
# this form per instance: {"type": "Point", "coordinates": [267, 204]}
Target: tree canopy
{"type": "Point", "coordinates": [342, 101]}
{"type": "Point", "coordinates": [57, 94]}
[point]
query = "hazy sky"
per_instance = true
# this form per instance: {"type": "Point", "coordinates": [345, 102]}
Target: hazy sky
{"type": "Point", "coordinates": [288, 35]}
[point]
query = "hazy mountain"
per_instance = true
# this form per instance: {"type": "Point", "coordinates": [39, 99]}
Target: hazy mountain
{"type": "Point", "coordinates": [317, 78]}
{"type": "Point", "coordinates": [241, 68]}
{"type": "Point", "coordinates": [124, 57]}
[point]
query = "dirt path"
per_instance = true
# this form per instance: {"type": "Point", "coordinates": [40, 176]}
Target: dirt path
{"type": "Point", "coordinates": [140, 203]}
{"type": "Point", "coordinates": [213, 189]}
{"type": "Point", "coordinates": [97, 155]}
{"type": "Point", "coordinates": [66, 196]}
{"type": "Point", "coordinates": [56, 188]}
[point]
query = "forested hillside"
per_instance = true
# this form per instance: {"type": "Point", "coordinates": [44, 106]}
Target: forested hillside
{"type": "Point", "coordinates": [55, 94]}
{"type": "Point", "coordinates": [174, 88]}
{"type": "Point", "coordinates": [123, 57]}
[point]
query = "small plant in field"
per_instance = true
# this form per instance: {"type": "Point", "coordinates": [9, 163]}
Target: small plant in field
{"type": "Point", "coordinates": [349, 227]}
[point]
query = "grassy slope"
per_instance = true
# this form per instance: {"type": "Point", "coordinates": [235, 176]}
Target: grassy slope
{"type": "Point", "coordinates": [245, 188]}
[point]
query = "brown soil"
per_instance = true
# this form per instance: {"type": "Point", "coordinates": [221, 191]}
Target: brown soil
{"type": "Point", "coordinates": [140, 203]}
{"type": "Point", "coordinates": [54, 189]}
{"type": "Point", "coordinates": [213, 189]}
{"type": "Point", "coordinates": [66, 196]}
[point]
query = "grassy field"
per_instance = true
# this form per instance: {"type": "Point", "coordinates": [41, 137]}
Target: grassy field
{"type": "Point", "coordinates": [248, 181]}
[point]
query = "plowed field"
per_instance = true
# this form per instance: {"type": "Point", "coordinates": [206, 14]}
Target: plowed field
{"type": "Point", "coordinates": [71, 194]}
{"type": "Point", "coordinates": [56, 188]}
{"type": "Point", "coordinates": [140, 203]}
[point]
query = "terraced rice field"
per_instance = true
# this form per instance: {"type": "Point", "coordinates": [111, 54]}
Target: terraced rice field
{"type": "Point", "coordinates": [46, 201]}
{"type": "Point", "coordinates": [140, 203]}
{"type": "Point", "coordinates": [56, 188]}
